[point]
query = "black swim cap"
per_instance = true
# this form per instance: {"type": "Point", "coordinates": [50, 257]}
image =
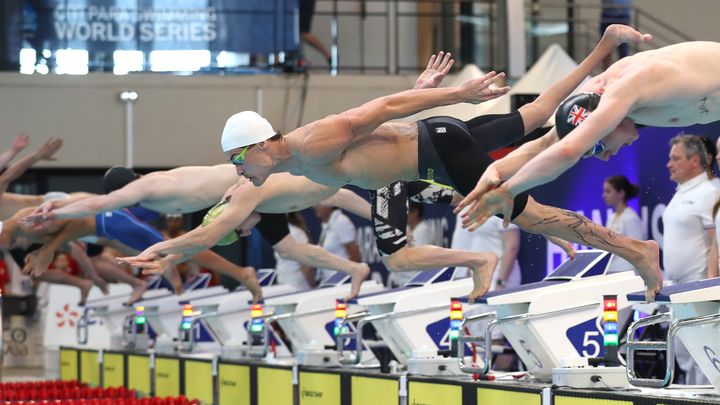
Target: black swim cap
{"type": "Point", "coordinates": [573, 111]}
{"type": "Point", "coordinates": [118, 177]}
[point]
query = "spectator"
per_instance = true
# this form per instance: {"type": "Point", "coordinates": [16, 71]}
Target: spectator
{"type": "Point", "coordinates": [689, 246]}
{"type": "Point", "coordinates": [307, 9]}
{"type": "Point", "coordinates": [617, 191]}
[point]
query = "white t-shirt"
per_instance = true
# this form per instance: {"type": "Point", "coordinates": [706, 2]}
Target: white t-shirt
{"type": "Point", "coordinates": [687, 219]}
{"type": "Point", "coordinates": [337, 232]}
{"type": "Point", "coordinates": [487, 238]}
{"type": "Point", "coordinates": [288, 271]}
{"type": "Point", "coordinates": [630, 225]}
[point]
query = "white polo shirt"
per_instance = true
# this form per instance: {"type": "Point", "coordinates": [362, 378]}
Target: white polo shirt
{"type": "Point", "coordinates": [335, 234]}
{"type": "Point", "coordinates": [687, 219]}
{"type": "Point", "coordinates": [628, 223]}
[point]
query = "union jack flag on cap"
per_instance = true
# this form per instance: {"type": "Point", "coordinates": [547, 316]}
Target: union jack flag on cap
{"type": "Point", "coordinates": [577, 115]}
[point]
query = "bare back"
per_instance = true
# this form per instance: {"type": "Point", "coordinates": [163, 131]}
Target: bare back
{"type": "Point", "coordinates": [370, 161]}
{"type": "Point", "coordinates": [188, 188]}
{"type": "Point", "coordinates": [10, 203]}
{"type": "Point", "coordinates": [677, 85]}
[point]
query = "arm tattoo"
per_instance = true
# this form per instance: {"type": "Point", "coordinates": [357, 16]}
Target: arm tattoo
{"type": "Point", "coordinates": [351, 127]}
{"type": "Point", "coordinates": [583, 228]}
{"type": "Point", "coordinates": [703, 106]}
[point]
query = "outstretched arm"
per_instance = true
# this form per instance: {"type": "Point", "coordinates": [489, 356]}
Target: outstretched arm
{"type": "Point", "coordinates": [129, 195]}
{"type": "Point", "coordinates": [21, 142]}
{"type": "Point", "coordinates": [348, 201]}
{"type": "Point", "coordinates": [535, 114]}
{"type": "Point", "coordinates": [45, 152]}
{"type": "Point", "coordinates": [70, 231]}
{"type": "Point", "coordinates": [326, 139]}
{"type": "Point", "coordinates": [243, 202]}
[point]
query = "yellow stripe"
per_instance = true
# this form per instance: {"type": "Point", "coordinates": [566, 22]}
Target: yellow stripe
{"type": "Point", "coordinates": [438, 184]}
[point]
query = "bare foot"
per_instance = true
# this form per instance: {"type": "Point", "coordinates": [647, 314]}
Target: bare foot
{"type": "Point", "coordinates": [648, 265]}
{"type": "Point", "coordinates": [173, 276]}
{"type": "Point", "coordinates": [85, 287]}
{"type": "Point", "coordinates": [357, 279]}
{"type": "Point", "coordinates": [622, 33]}
{"type": "Point", "coordinates": [566, 246]}
{"type": "Point", "coordinates": [137, 292]}
{"type": "Point", "coordinates": [482, 275]}
{"type": "Point", "coordinates": [101, 284]}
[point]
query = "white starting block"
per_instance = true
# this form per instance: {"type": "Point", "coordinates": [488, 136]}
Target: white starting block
{"type": "Point", "coordinates": [307, 319]}
{"type": "Point", "coordinates": [413, 321]}
{"type": "Point", "coordinates": [553, 319]}
{"type": "Point", "coordinates": [694, 318]}
{"type": "Point", "coordinates": [162, 315]}
{"type": "Point", "coordinates": [218, 325]}
{"type": "Point", "coordinates": [101, 324]}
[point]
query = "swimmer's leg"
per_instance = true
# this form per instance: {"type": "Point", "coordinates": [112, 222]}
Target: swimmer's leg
{"type": "Point", "coordinates": [60, 277]}
{"type": "Point", "coordinates": [573, 227]}
{"type": "Point", "coordinates": [246, 275]}
{"type": "Point", "coordinates": [111, 271]}
{"type": "Point", "coordinates": [427, 257]}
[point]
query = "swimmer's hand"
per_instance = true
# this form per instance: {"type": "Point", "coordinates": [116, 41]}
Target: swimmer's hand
{"type": "Point", "coordinates": [21, 142]}
{"type": "Point", "coordinates": [41, 217]}
{"type": "Point", "coordinates": [141, 259]}
{"type": "Point", "coordinates": [435, 72]}
{"type": "Point", "coordinates": [488, 181]}
{"type": "Point", "coordinates": [49, 149]}
{"type": "Point", "coordinates": [497, 201]}
{"type": "Point", "coordinates": [475, 91]}
{"type": "Point", "coordinates": [620, 34]}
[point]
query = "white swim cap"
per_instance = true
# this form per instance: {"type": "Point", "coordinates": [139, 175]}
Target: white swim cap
{"type": "Point", "coordinates": [245, 128]}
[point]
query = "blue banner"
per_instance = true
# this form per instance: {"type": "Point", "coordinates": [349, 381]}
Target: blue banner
{"type": "Point", "coordinates": [249, 26]}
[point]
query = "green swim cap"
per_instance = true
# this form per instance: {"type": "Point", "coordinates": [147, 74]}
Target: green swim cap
{"type": "Point", "coordinates": [211, 215]}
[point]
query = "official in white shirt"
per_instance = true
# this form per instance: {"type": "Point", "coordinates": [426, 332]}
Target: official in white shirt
{"type": "Point", "coordinates": [689, 249]}
{"type": "Point", "coordinates": [617, 191]}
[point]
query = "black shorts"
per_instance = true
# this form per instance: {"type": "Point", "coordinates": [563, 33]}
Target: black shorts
{"type": "Point", "coordinates": [93, 250]}
{"type": "Point", "coordinates": [455, 153]}
{"type": "Point", "coordinates": [307, 9]}
{"type": "Point", "coordinates": [390, 211]}
{"type": "Point", "coordinates": [273, 227]}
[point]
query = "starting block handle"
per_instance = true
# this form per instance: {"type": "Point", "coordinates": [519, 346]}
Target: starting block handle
{"type": "Point", "coordinates": [635, 345]}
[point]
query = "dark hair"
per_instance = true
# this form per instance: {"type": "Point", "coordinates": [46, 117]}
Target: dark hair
{"type": "Point", "coordinates": [711, 150]}
{"type": "Point", "coordinates": [276, 137]}
{"type": "Point", "coordinates": [413, 206]}
{"type": "Point", "coordinates": [295, 218]}
{"type": "Point", "coordinates": [118, 177]}
{"type": "Point", "coordinates": [621, 183]}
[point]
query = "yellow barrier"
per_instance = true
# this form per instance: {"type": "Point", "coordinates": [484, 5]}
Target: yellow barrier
{"type": "Point", "coordinates": [68, 364]}
{"type": "Point", "coordinates": [89, 368]}
{"type": "Point", "coordinates": [319, 388]}
{"type": "Point", "coordinates": [274, 386]}
{"type": "Point", "coordinates": [139, 373]}
{"type": "Point", "coordinates": [375, 391]}
{"type": "Point", "coordinates": [433, 394]}
{"type": "Point", "coordinates": [113, 369]}
{"type": "Point", "coordinates": [567, 400]}
{"type": "Point", "coordinates": [233, 384]}
{"type": "Point", "coordinates": [199, 381]}
{"type": "Point", "coordinates": [506, 397]}
{"type": "Point", "coordinates": [167, 377]}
